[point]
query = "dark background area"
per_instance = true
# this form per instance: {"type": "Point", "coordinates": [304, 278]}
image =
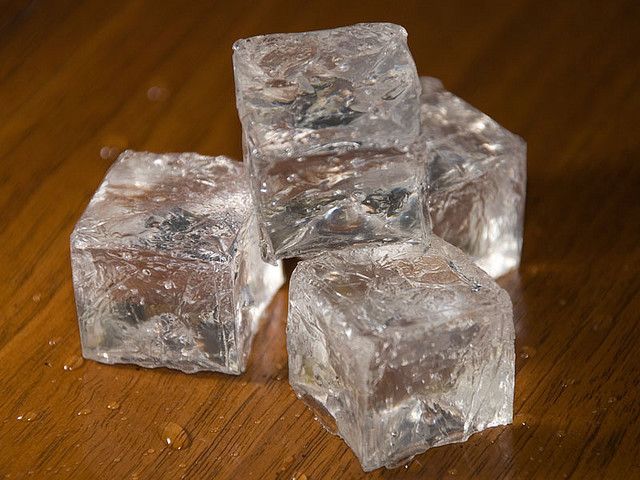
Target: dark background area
{"type": "Point", "coordinates": [82, 80]}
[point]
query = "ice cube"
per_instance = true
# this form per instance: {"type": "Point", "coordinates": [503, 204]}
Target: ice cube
{"type": "Point", "coordinates": [331, 135]}
{"type": "Point", "coordinates": [401, 349]}
{"type": "Point", "coordinates": [166, 265]}
{"type": "Point", "coordinates": [477, 174]}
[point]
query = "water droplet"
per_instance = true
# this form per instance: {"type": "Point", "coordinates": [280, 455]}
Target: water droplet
{"type": "Point", "coordinates": [182, 465]}
{"type": "Point", "coordinates": [28, 417]}
{"type": "Point", "coordinates": [612, 399]}
{"type": "Point", "coordinates": [157, 93]}
{"type": "Point", "coordinates": [342, 220]}
{"type": "Point", "coordinates": [175, 436]}
{"type": "Point", "coordinates": [73, 363]}
{"type": "Point", "coordinates": [257, 422]}
{"type": "Point", "coordinates": [560, 433]}
{"type": "Point", "coordinates": [37, 297]}
{"type": "Point", "coordinates": [150, 451]}
{"type": "Point", "coordinates": [108, 152]}
{"type": "Point", "coordinates": [84, 411]}
{"type": "Point", "coordinates": [453, 472]}
{"type": "Point", "coordinates": [113, 405]}
{"type": "Point", "coordinates": [528, 352]}
{"type": "Point", "coordinates": [168, 285]}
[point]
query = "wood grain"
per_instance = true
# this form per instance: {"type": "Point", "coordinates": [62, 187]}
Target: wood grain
{"type": "Point", "coordinates": [81, 80]}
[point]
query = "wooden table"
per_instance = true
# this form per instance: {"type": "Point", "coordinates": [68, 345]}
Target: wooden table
{"type": "Point", "coordinates": [80, 81]}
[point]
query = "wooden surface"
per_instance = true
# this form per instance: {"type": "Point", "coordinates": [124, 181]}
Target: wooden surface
{"type": "Point", "coordinates": [79, 81]}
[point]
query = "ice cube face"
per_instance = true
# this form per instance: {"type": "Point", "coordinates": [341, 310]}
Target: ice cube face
{"type": "Point", "coordinates": [477, 179]}
{"type": "Point", "coordinates": [166, 265]}
{"type": "Point", "coordinates": [404, 349]}
{"type": "Point", "coordinates": [331, 134]}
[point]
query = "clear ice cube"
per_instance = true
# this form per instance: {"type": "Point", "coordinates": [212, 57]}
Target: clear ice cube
{"type": "Point", "coordinates": [166, 265]}
{"type": "Point", "coordinates": [400, 349]}
{"type": "Point", "coordinates": [331, 135]}
{"type": "Point", "coordinates": [477, 179]}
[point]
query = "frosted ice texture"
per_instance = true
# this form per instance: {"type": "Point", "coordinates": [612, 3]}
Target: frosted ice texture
{"type": "Point", "coordinates": [331, 132]}
{"type": "Point", "coordinates": [477, 179]}
{"type": "Point", "coordinates": [403, 349]}
{"type": "Point", "coordinates": [166, 265]}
